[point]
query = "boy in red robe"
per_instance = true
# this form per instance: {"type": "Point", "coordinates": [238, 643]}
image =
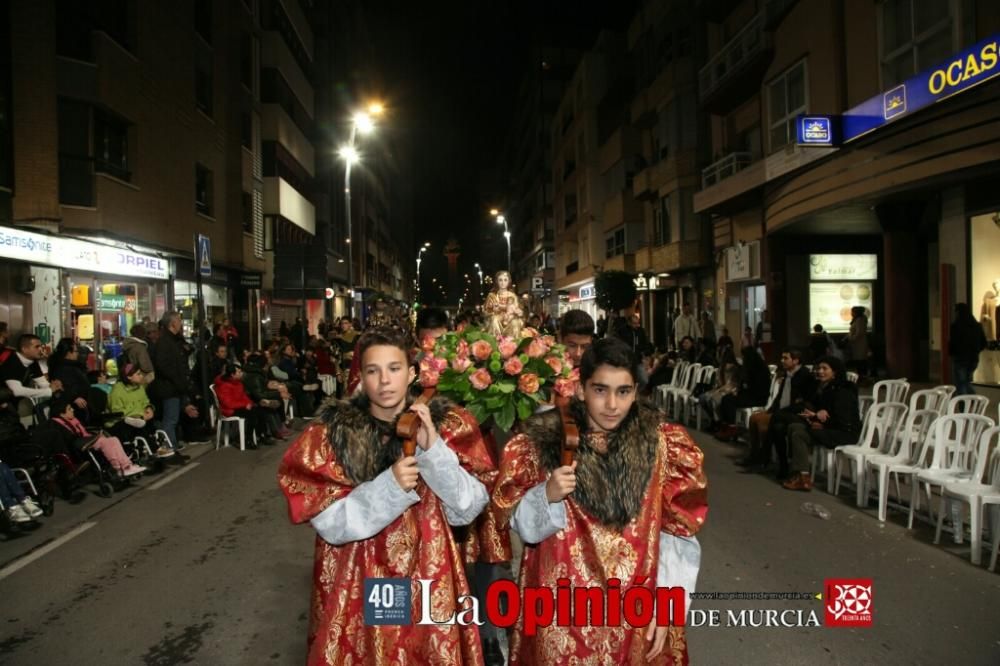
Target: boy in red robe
{"type": "Point", "coordinates": [379, 514]}
{"type": "Point", "coordinates": [627, 508]}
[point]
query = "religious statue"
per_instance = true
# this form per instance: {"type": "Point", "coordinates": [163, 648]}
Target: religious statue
{"type": "Point", "coordinates": [502, 311]}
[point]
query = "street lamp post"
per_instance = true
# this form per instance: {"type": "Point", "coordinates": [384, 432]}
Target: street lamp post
{"type": "Point", "coordinates": [423, 249]}
{"type": "Point", "coordinates": [362, 122]}
{"type": "Point", "coordinates": [501, 219]}
{"type": "Point", "coordinates": [479, 269]}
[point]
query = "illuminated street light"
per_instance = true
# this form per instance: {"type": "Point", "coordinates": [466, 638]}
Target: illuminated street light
{"type": "Point", "coordinates": [506, 232]}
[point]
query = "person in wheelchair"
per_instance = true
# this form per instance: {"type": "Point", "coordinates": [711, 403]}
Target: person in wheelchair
{"type": "Point", "coordinates": [65, 436]}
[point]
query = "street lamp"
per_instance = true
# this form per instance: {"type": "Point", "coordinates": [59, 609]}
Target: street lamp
{"type": "Point", "coordinates": [506, 231]}
{"type": "Point", "coordinates": [479, 269]}
{"type": "Point", "coordinates": [426, 246]}
{"type": "Point", "coordinates": [364, 123]}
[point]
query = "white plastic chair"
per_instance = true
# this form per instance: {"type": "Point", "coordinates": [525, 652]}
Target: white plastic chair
{"type": "Point", "coordinates": [877, 437]}
{"type": "Point", "coordinates": [976, 493]}
{"type": "Point", "coordinates": [886, 390]}
{"type": "Point", "coordinates": [852, 376]}
{"type": "Point", "coordinates": [968, 404]}
{"type": "Point", "coordinates": [328, 383]}
{"type": "Point", "coordinates": [926, 399]}
{"type": "Point", "coordinates": [705, 375]}
{"type": "Point", "coordinates": [677, 395]}
{"type": "Point", "coordinates": [947, 391]}
{"type": "Point", "coordinates": [906, 459]}
{"type": "Point", "coordinates": [954, 442]}
{"type": "Point", "coordinates": [222, 424]}
{"type": "Point", "coordinates": [661, 391]}
{"type": "Point", "coordinates": [743, 414]}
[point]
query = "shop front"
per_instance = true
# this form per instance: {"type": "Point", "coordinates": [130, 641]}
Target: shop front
{"type": "Point", "coordinates": [745, 298]}
{"type": "Point", "coordinates": [94, 293]}
{"type": "Point", "coordinates": [579, 297]}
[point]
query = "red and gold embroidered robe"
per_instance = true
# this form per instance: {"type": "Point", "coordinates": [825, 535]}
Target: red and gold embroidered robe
{"type": "Point", "coordinates": [417, 545]}
{"type": "Point", "coordinates": [588, 552]}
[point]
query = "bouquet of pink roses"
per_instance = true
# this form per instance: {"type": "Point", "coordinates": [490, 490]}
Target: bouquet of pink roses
{"type": "Point", "coordinates": [503, 378]}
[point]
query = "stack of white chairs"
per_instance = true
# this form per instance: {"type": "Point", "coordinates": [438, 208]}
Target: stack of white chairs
{"type": "Point", "coordinates": [907, 458]}
{"type": "Point", "coordinates": [877, 437]}
{"type": "Point", "coordinates": [706, 376]}
{"type": "Point", "coordinates": [678, 395]}
{"type": "Point", "coordinates": [661, 391]}
{"type": "Point", "coordinates": [981, 490]}
{"type": "Point", "coordinates": [953, 448]}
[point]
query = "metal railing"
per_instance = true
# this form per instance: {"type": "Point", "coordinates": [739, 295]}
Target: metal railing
{"type": "Point", "coordinates": [721, 169]}
{"type": "Point", "coordinates": [747, 43]}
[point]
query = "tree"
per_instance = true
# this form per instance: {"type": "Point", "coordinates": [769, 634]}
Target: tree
{"type": "Point", "coordinates": [615, 290]}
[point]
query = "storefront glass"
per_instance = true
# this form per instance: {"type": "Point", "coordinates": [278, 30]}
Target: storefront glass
{"type": "Point", "coordinates": [985, 288]}
{"type": "Point", "coordinates": [837, 283]}
{"type": "Point", "coordinates": [186, 303]}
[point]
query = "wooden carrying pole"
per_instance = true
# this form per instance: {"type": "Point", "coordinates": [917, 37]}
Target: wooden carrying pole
{"type": "Point", "coordinates": [409, 424]}
{"type": "Point", "coordinates": [571, 434]}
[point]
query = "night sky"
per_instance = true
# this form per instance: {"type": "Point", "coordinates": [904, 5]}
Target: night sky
{"type": "Point", "coordinates": [450, 72]}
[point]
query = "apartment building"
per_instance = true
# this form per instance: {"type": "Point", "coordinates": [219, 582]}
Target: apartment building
{"type": "Point", "coordinates": [131, 130]}
{"type": "Point", "coordinates": [896, 214]}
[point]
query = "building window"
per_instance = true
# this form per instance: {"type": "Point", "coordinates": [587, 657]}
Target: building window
{"type": "Point", "coordinates": [786, 100]}
{"type": "Point", "coordinates": [111, 145]}
{"type": "Point", "coordinates": [614, 243]}
{"type": "Point", "coordinates": [661, 222]}
{"type": "Point", "coordinates": [76, 175]}
{"type": "Point", "coordinates": [203, 19]}
{"type": "Point", "coordinates": [203, 190]}
{"type": "Point", "coordinates": [203, 88]}
{"type": "Point", "coordinates": [915, 35]}
{"type": "Point", "coordinates": [569, 206]}
{"type": "Point", "coordinates": [246, 60]}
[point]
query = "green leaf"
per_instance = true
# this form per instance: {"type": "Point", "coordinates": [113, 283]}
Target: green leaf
{"type": "Point", "coordinates": [524, 408]}
{"type": "Point", "coordinates": [494, 403]}
{"type": "Point", "coordinates": [505, 418]}
{"type": "Point", "coordinates": [506, 386]}
{"type": "Point", "coordinates": [477, 410]}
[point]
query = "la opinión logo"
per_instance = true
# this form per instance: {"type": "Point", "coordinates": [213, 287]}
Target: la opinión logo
{"type": "Point", "coordinates": [848, 602]}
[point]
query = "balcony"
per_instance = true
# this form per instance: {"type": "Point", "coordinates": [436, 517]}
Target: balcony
{"type": "Point", "coordinates": [275, 53]}
{"type": "Point", "coordinates": [729, 177]}
{"type": "Point", "coordinates": [677, 256]}
{"type": "Point", "coordinates": [300, 24]}
{"type": "Point", "coordinates": [280, 198]}
{"type": "Point", "coordinates": [622, 262]}
{"type": "Point", "coordinates": [622, 208]}
{"type": "Point", "coordinates": [775, 11]}
{"type": "Point", "coordinates": [671, 81]}
{"type": "Point", "coordinates": [647, 184]}
{"type": "Point", "coordinates": [276, 125]}
{"type": "Point", "coordinates": [735, 72]}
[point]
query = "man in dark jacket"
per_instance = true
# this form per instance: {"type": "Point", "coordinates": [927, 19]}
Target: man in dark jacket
{"type": "Point", "coordinates": [171, 387]}
{"type": "Point", "coordinates": [768, 427]}
{"type": "Point", "coordinates": [965, 341]}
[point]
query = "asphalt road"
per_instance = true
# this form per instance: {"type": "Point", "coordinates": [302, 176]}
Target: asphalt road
{"type": "Point", "coordinates": [199, 565]}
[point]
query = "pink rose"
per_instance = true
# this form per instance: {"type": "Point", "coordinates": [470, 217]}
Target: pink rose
{"type": "Point", "coordinates": [528, 332]}
{"type": "Point", "coordinates": [554, 363]}
{"type": "Point", "coordinates": [439, 364]}
{"type": "Point", "coordinates": [427, 344]}
{"type": "Point", "coordinates": [528, 383]}
{"type": "Point", "coordinates": [429, 378]}
{"type": "Point", "coordinates": [513, 366]}
{"type": "Point", "coordinates": [480, 379]}
{"type": "Point", "coordinates": [460, 364]}
{"type": "Point", "coordinates": [565, 387]}
{"type": "Point", "coordinates": [507, 347]}
{"type": "Point", "coordinates": [481, 350]}
{"type": "Point", "coordinates": [536, 349]}
{"type": "Point", "coordinates": [462, 350]}
{"type": "Point", "coordinates": [549, 340]}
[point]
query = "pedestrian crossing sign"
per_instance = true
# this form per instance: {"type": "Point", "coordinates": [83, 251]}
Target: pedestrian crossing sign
{"type": "Point", "coordinates": [204, 255]}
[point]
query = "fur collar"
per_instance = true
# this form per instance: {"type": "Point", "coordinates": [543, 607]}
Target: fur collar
{"type": "Point", "coordinates": [611, 485]}
{"type": "Point", "coordinates": [364, 445]}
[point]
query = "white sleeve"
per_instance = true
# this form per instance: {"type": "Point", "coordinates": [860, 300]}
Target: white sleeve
{"type": "Point", "coordinates": [365, 512]}
{"type": "Point", "coordinates": [535, 518]}
{"type": "Point", "coordinates": [21, 391]}
{"type": "Point", "coordinates": [679, 562]}
{"type": "Point", "coordinates": [462, 495]}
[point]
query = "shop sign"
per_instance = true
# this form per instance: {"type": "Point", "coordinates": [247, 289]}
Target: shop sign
{"type": "Point", "coordinates": [740, 264]}
{"type": "Point", "coordinates": [646, 283]}
{"type": "Point", "coordinates": [251, 280]}
{"type": "Point", "coordinates": [329, 293]}
{"type": "Point", "coordinates": [74, 254]}
{"type": "Point", "coordinates": [587, 291]}
{"type": "Point", "coordinates": [843, 267]}
{"type": "Point", "coordinates": [537, 285]}
{"type": "Point", "coordinates": [815, 130]}
{"type": "Point", "coordinates": [968, 68]}
{"type": "Point", "coordinates": [116, 303]}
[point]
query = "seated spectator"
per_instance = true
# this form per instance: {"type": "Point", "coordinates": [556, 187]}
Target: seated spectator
{"type": "Point", "coordinates": [22, 371]}
{"type": "Point", "coordinates": [234, 401]}
{"type": "Point", "coordinates": [99, 381]}
{"type": "Point", "coordinates": [267, 393]}
{"type": "Point", "coordinates": [727, 382]}
{"type": "Point", "coordinates": [132, 409]}
{"type": "Point", "coordinates": [72, 438]}
{"type": "Point", "coordinates": [724, 342]}
{"type": "Point", "coordinates": [286, 371]}
{"type": "Point", "coordinates": [753, 390]}
{"type": "Point", "coordinates": [19, 507]}
{"type": "Point", "coordinates": [688, 350]}
{"type": "Point", "coordinates": [326, 364]}
{"type": "Point", "coordinates": [65, 366]}
{"type": "Point", "coordinates": [830, 419]}
{"type": "Point", "coordinates": [796, 385]}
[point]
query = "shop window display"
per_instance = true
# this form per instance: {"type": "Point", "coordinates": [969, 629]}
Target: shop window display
{"type": "Point", "coordinates": [984, 299]}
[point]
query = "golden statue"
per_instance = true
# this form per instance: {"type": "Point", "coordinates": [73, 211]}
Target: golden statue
{"type": "Point", "coordinates": [502, 310]}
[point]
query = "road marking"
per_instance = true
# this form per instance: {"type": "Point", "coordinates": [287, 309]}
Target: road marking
{"type": "Point", "coordinates": [167, 479]}
{"type": "Point", "coordinates": [17, 565]}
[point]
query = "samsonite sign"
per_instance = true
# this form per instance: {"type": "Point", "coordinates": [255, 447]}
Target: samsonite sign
{"type": "Point", "coordinates": [79, 255]}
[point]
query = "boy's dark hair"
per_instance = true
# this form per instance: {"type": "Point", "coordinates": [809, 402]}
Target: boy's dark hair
{"type": "Point", "coordinates": [230, 370]}
{"type": "Point", "coordinates": [793, 352]}
{"type": "Point", "coordinates": [609, 351]}
{"type": "Point", "coordinates": [137, 331]}
{"type": "Point", "coordinates": [576, 322]}
{"type": "Point", "coordinates": [432, 318]}
{"type": "Point", "coordinates": [388, 337]}
{"type": "Point", "coordinates": [58, 404]}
